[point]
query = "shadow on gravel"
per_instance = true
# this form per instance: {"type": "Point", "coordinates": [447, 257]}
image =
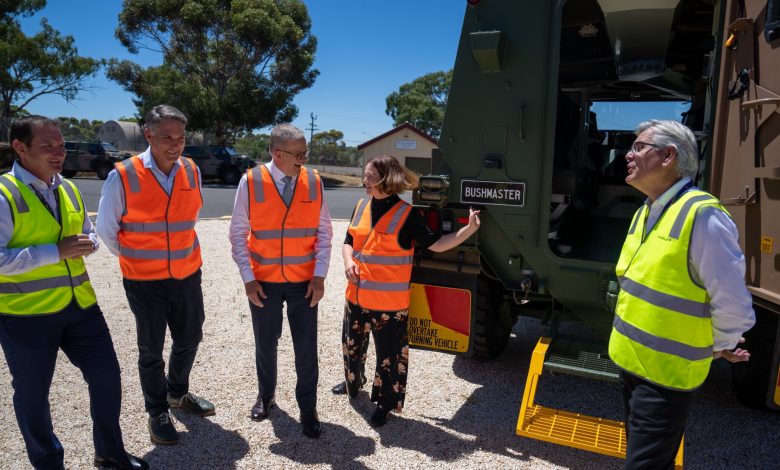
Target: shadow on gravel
{"type": "Point", "coordinates": [721, 433]}
{"type": "Point", "coordinates": [337, 446]}
{"type": "Point", "coordinates": [202, 444]}
{"type": "Point", "coordinates": [490, 413]}
{"type": "Point", "coordinates": [414, 435]}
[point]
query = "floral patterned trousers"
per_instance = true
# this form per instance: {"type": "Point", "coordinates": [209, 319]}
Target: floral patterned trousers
{"type": "Point", "coordinates": [392, 352]}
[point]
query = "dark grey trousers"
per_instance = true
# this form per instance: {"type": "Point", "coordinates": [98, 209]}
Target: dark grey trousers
{"type": "Point", "coordinates": [157, 305]}
{"type": "Point", "coordinates": [267, 326]}
{"type": "Point", "coordinates": [655, 421]}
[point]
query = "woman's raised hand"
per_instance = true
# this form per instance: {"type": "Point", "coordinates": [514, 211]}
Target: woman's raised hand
{"type": "Point", "coordinates": [474, 219]}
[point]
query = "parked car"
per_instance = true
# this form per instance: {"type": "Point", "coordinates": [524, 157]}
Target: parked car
{"type": "Point", "coordinates": [110, 149]}
{"type": "Point", "coordinates": [221, 162]}
{"type": "Point", "coordinates": [90, 156]}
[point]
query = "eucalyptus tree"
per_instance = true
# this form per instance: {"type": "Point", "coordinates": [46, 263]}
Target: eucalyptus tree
{"type": "Point", "coordinates": [230, 65]}
{"type": "Point", "coordinates": [421, 102]}
{"type": "Point", "coordinates": [46, 63]}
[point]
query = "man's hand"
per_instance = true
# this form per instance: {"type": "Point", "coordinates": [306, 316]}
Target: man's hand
{"type": "Point", "coordinates": [254, 291]}
{"type": "Point", "coordinates": [351, 271]}
{"type": "Point", "coordinates": [75, 246]}
{"type": "Point", "coordinates": [737, 355]}
{"type": "Point", "coordinates": [316, 290]}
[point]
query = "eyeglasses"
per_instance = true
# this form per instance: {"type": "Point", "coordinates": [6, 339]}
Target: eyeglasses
{"type": "Point", "coordinates": [301, 155]}
{"type": "Point", "coordinates": [638, 147]}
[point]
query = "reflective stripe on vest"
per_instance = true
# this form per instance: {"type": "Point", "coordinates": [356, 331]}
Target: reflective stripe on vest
{"type": "Point", "coordinates": [46, 289]}
{"type": "Point", "coordinates": [281, 240]}
{"type": "Point", "coordinates": [160, 254]}
{"type": "Point", "coordinates": [27, 287]}
{"type": "Point", "coordinates": [288, 233]}
{"type": "Point", "coordinates": [281, 261]}
{"type": "Point", "coordinates": [16, 196]}
{"type": "Point", "coordinates": [384, 266]}
{"type": "Point", "coordinates": [147, 227]}
{"type": "Point", "coordinates": [157, 238]}
{"type": "Point", "coordinates": [662, 329]}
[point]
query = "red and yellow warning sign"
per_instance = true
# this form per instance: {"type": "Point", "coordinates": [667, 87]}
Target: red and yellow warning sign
{"type": "Point", "coordinates": [440, 318]}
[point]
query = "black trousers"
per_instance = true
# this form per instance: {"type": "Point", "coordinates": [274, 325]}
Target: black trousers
{"type": "Point", "coordinates": [655, 422]}
{"type": "Point", "coordinates": [169, 303]}
{"type": "Point", "coordinates": [30, 345]}
{"type": "Point", "coordinates": [391, 341]}
{"type": "Point", "coordinates": [267, 327]}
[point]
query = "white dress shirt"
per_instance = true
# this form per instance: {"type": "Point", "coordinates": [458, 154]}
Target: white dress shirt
{"type": "Point", "coordinates": [112, 199]}
{"type": "Point", "coordinates": [718, 264]}
{"type": "Point", "coordinates": [22, 260]}
{"type": "Point", "coordinates": [240, 227]}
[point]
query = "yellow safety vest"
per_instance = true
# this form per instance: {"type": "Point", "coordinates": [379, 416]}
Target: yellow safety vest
{"type": "Point", "coordinates": [47, 289]}
{"type": "Point", "coordinates": [662, 330]}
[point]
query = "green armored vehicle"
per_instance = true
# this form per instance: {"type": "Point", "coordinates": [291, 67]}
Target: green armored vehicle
{"type": "Point", "coordinates": [544, 99]}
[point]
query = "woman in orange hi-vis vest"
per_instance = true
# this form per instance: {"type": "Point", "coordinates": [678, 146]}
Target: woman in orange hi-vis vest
{"type": "Point", "coordinates": [377, 253]}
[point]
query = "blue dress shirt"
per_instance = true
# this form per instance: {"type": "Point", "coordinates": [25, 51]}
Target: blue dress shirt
{"type": "Point", "coordinates": [22, 260]}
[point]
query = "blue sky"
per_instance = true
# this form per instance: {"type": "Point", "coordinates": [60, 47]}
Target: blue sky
{"type": "Point", "coordinates": [366, 50]}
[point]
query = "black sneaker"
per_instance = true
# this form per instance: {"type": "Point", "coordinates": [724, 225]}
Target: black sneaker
{"type": "Point", "coordinates": [192, 404]}
{"type": "Point", "coordinates": [161, 430]}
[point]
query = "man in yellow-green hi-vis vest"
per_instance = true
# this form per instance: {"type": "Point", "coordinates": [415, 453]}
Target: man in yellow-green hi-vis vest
{"type": "Point", "coordinates": [683, 300]}
{"type": "Point", "coordinates": [47, 302]}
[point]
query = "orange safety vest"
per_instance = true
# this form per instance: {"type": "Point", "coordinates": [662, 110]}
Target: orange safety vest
{"type": "Point", "coordinates": [281, 238]}
{"type": "Point", "coordinates": [384, 267]}
{"type": "Point", "coordinates": [157, 238]}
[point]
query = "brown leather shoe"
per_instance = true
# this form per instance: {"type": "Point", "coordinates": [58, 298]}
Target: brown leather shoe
{"type": "Point", "coordinates": [262, 405]}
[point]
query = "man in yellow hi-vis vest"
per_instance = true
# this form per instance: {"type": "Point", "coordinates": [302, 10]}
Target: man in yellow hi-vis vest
{"type": "Point", "coordinates": [683, 300]}
{"type": "Point", "coordinates": [47, 302]}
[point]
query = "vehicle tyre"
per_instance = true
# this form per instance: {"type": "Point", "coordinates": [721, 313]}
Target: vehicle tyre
{"type": "Point", "coordinates": [103, 169]}
{"type": "Point", "coordinates": [753, 379]}
{"type": "Point", "coordinates": [229, 175]}
{"type": "Point", "coordinates": [491, 333]}
{"type": "Point", "coordinates": [68, 173]}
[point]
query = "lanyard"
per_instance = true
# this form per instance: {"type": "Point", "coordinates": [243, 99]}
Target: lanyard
{"type": "Point", "coordinates": [46, 204]}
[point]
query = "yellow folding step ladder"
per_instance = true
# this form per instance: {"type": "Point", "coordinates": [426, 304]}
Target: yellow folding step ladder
{"type": "Point", "coordinates": [603, 436]}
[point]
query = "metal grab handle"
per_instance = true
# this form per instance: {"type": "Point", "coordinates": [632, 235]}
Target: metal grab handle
{"type": "Point", "coordinates": [739, 200]}
{"type": "Point", "coordinates": [760, 102]}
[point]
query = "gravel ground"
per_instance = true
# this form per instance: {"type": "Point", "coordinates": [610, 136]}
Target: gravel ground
{"type": "Point", "coordinates": [459, 413]}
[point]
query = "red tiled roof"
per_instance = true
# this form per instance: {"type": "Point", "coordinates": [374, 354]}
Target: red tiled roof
{"type": "Point", "coordinates": [405, 125]}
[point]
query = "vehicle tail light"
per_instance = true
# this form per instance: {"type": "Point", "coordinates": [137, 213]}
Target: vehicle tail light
{"type": "Point", "coordinates": [434, 220]}
{"type": "Point", "coordinates": [463, 220]}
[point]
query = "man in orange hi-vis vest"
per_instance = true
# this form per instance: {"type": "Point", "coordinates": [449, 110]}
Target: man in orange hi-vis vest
{"type": "Point", "coordinates": [147, 215]}
{"type": "Point", "coordinates": [281, 236]}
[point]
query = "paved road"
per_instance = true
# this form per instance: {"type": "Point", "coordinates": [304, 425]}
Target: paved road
{"type": "Point", "coordinates": [218, 198]}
